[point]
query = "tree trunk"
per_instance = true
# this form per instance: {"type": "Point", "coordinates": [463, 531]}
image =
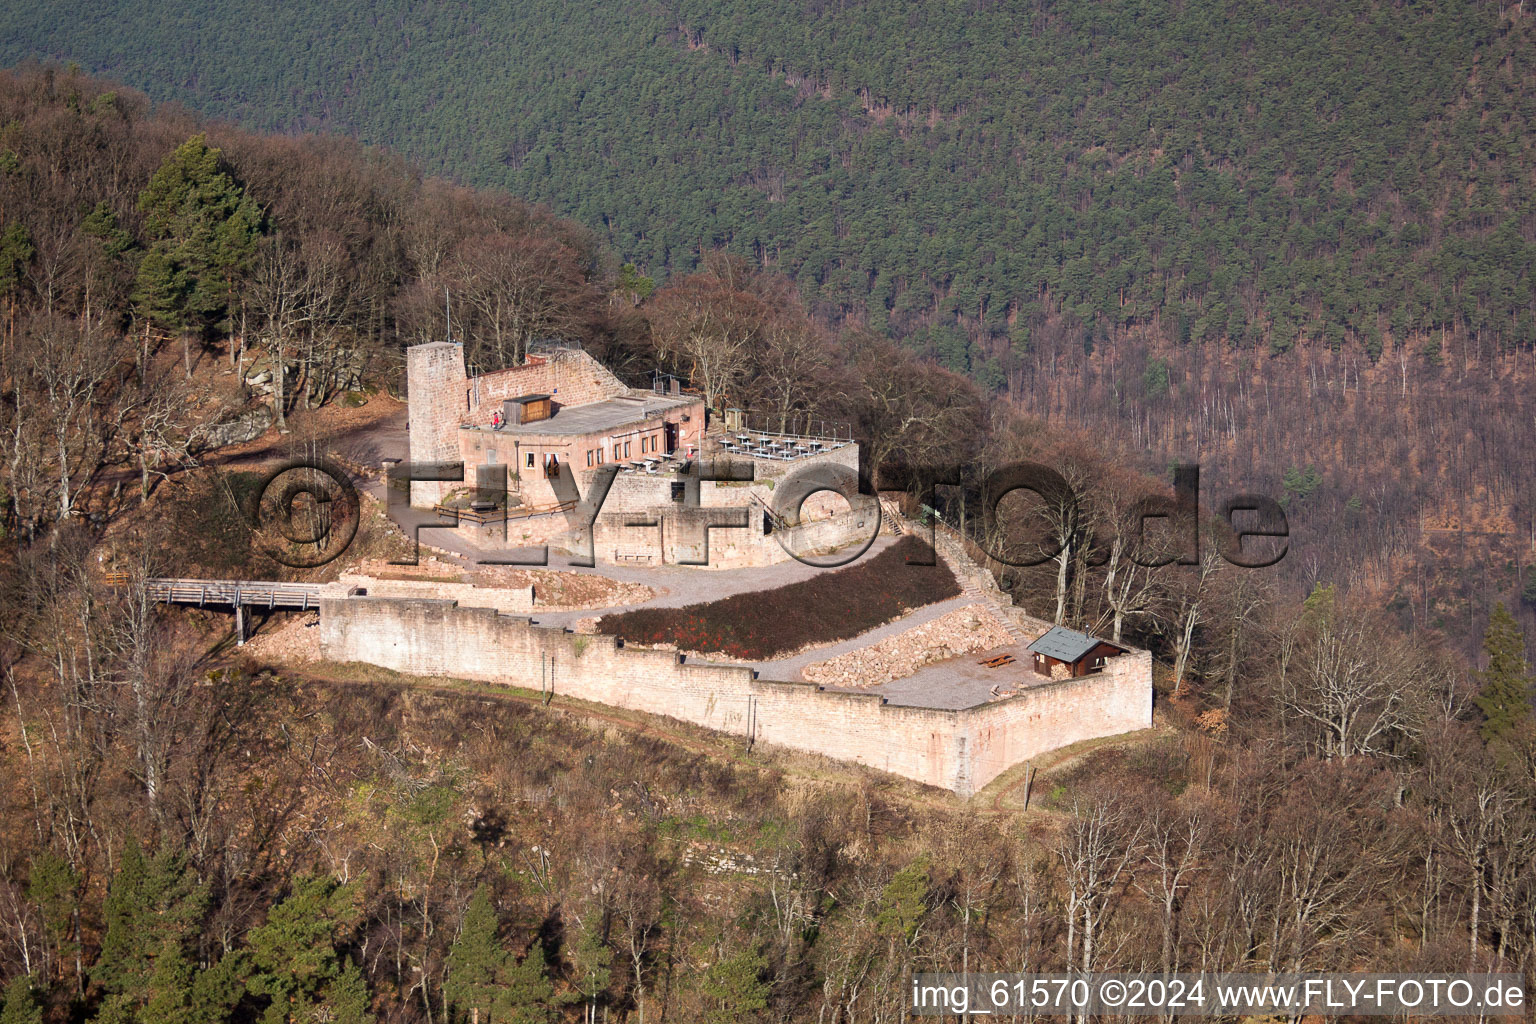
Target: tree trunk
{"type": "Point", "coordinates": [1182, 661]}
{"type": "Point", "coordinates": [279, 386]}
{"type": "Point", "coordinates": [1063, 560]}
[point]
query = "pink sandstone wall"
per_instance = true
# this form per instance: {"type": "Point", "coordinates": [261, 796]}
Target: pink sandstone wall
{"type": "Point", "coordinates": [1057, 714]}
{"type": "Point", "coordinates": [439, 401]}
{"type": "Point", "coordinates": [957, 750]}
{"type": "Point", "coordinates": [443, 397]}
{"type": "Point", "coordinates": [507, 600]}
{"type": "Point", "coordinates": [570, 375]}
{"type": "Point", "coordinates": [531, 484]}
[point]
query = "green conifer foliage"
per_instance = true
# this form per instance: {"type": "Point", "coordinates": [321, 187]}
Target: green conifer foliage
{"type": "Point", "coordinates": [203, 230]}
{"type": "Point", "coordinates": [55, 887]}
{"type": "Point", "coordinates": [483, 976]}
{"type": "Point", "coordinates": [477, 964]}
{"type": "Point", "coordinates": [152, 900]}
{"type": "Point", "coordinates": [1505, 696]}
{"type": "Point", "coordinates": [904, 903]}
{"type": "Point", "coordinates": [294, 960]}
{"type": "Point", "coordinates": [21, 1005]}
{"type": "Point", "coordinates": [170, 987]}
{"type": "Point", "coordinates": [530, 992]}
{"type": "Point", "coordinates": [736, 986]}
{"type": "Point", "coordinates": [591, 961]}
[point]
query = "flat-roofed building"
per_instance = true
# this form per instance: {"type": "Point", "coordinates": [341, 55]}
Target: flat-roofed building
{"type": "Point", "coordinates": [557, 417]}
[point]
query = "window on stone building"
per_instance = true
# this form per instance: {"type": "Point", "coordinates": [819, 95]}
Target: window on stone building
{"type": "Point", "coordinates": [626, 449]}
{"type": "Point", "coordinates": [589, 457]}
{"type": "Point", "coordinates": [530, 460]}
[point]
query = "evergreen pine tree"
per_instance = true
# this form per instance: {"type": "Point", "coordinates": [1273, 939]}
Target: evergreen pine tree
{"type": "Point", "coordinates": [21, 1005]}
{"type": "Point", "coordinates": [484, 977]}
{"type": "Point", "coordinates": [904, 903]}
{"type": "Point", "coordinates": [1505, 695]}
{"type": "Point", "coordinates": [217, 989]}
{"type": "Point", "coordinates": [478, 966]}
{"type": "Point", "coordinates": [55, 887]}
{"type": "Point", "coordinates": [170, 987]}
{"type": "Point", "coordinates": [115, 1010]}
{"type": "Point", "coordinates": [591, 962]}
{"type": "Point", "coordinates": [151, 899]}
{"type": "Point", "coordinates": [203, 230]}
{"type": "Point", "coordinates": [736, 987]}
{"type": "Point", "coordinates": [160, 290]}
{"type": "Point", "coordinates": [296, 965]}
{"type": "Point", "coordinates": [530, 992]}
{"type": "Point", "coordinates": [15, 253]}
{"type": "Point", "coordinates": [101, 224]}
{"type": "Point", "coordinates": [347, 999]}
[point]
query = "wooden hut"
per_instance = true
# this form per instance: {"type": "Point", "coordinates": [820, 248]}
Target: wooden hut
{"type": "Point", "coordinates": [1064, 653]}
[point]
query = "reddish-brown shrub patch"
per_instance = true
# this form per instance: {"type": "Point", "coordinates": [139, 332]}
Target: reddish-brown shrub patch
{"type": "Point", "coordinates": [831, 606]}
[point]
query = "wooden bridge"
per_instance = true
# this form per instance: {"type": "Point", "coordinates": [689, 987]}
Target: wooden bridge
{"type": "Point", "coordinates": [237, 595]}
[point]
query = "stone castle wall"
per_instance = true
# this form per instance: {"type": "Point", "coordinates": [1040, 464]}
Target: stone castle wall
{"type": "Point", "coordinates": [506, 600]}
{"type": "Point", "coordinates": [957, 750]}
{"type": "Point", "coordinates": [568, 375]}
{"type": "Point", "coordinates": [443, 397]}
{"type": "Point", "coordinates": [437, 388]}
{"type": "Point", "coordinates": [828, 524]}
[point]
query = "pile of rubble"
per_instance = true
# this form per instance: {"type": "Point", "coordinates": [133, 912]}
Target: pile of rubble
{"type": "Point", "coordinates": [286, 637]}
{"type": "Point", "coordinates": [975, 627]}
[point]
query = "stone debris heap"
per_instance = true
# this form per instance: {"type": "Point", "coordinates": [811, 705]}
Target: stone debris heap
{"type": "Point", "coordinates": [967, 630]}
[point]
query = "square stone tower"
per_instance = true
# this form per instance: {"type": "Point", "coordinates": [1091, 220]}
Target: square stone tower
{"type": "Point", "coordinates": [437, 388]}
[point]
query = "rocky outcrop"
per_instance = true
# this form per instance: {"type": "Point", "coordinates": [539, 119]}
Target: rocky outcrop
{"type": "Point", "coordinates": [243, 427]}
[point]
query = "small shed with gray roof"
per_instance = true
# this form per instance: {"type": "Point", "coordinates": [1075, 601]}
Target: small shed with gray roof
{"type": "Point", "coordinates": [1062, 653]}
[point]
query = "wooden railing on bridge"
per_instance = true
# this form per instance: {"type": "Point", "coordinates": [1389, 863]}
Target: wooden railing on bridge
{"type": "Point", "coordinates": [236, 595]}
{"type": "Point", "coordinates": [480, 517]}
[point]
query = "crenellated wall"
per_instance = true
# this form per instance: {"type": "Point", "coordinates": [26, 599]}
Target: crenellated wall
{"type": "Point", "coordinates": [957, 750]}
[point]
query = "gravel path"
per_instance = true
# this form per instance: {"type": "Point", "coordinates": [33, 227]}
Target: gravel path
{"type": "Point", "coordinates": [677, 586]}
{"type": "Point", "coordinates": [961, 682]}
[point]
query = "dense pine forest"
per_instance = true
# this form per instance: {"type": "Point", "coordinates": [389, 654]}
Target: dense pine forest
{"type": "Point", "coordinates": [1356, 174]}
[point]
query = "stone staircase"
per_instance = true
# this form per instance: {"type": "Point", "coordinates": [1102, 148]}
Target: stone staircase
{"type": "Point", "coordinates": [978, 585]}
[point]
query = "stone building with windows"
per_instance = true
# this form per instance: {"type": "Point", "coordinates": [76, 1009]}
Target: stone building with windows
{"type": "Point", "coordinates": [536, 440]}
{"type": "Point", "coordinates": [553, 419]}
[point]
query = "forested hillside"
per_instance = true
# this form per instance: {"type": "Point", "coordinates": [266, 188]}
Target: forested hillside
{"type": "Point", "coordinates": [194, 834]}
{"type": "Point", "coordinates": [1358, 173]}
